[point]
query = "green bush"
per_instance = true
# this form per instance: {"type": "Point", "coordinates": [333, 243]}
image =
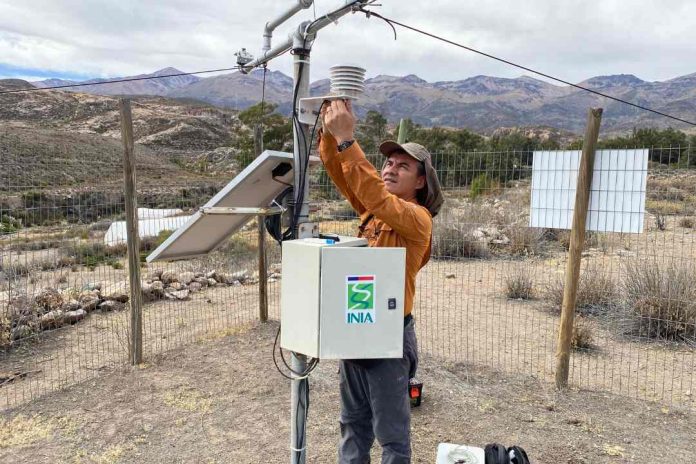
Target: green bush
{"type": "Point", "coordinates": [481, 185]}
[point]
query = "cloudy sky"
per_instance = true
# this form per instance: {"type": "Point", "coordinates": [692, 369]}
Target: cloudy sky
{"type": "Point", "coordinates": [574, 40]}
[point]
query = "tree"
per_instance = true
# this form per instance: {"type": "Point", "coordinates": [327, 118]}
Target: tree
{"type": "Point", "coordinates": [277, 131]}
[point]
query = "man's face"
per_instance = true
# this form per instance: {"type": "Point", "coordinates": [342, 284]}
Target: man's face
{"type": "Point", "coordinates": [400, 175]}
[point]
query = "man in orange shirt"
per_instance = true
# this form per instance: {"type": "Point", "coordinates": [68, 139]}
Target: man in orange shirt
{"type": "Point", "coordinates": [396, 209]}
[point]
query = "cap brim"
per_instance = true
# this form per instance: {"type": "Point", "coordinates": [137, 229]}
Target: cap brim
{"type": "Point", "coordinates": [388, 147]}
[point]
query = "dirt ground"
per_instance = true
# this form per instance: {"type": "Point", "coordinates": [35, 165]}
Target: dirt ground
{"type": "Point", "coordinates": [221, 400]}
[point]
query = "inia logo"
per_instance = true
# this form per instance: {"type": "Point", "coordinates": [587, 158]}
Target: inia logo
{"type": "Point", "coordinates": [360, 299]}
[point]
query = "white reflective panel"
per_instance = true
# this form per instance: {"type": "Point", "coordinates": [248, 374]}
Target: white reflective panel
{"type": "Point", "coordinates": [617, 195]}
{"type": "Point", "coordinates": [254, 187]}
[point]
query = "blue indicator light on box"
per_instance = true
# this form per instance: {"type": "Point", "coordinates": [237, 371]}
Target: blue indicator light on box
{"type": "Point", "coordinates": [330, 241]}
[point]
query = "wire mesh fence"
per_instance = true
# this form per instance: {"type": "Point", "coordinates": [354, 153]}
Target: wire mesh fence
{"type": "Point", "coordinates": [489, 296]}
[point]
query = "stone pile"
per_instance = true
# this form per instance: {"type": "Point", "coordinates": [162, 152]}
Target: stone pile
{"type": "Point", "coordinates": [53, 308]}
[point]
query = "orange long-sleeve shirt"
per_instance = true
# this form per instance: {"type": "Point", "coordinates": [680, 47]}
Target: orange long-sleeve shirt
{"type": "Point", "coordinates": [393, 222]}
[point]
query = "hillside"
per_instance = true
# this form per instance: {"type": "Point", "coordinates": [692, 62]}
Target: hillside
{"type": "Point", "coordinates": [479, 103]}
{"type": "Point", "coordinates": [58, 138]}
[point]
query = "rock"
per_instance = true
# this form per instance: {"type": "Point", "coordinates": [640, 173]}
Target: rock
{"type": "Point", "coordinates": [201, 280]}
{"type": "Point", "coordinates": [52, 319]}
{"type": "Point", "coordinates": [221, 284]}
{"type": "Point", "coordinates": [212, 282]}
{"type": "Point", "coordinates": [22, 331]}
{"type": "Point", "coordinates": [271, 280]}
{"type": "Point", "coordinates": [450, 276]}
{"type": "Point", "coordinates": [275, 275]}
{"type": "Point", "coordinates": [198, 275]}
{"type": "Point", "coordinates": [72, 317]}
{"type": "Point", "coordinates": [225, 278]}
{"type": "Point", "coordinates": [210, 275]}
{"type": "Point", "coordinates": [49, 299]}
{"type": "Point", "coordinates": [155, 274]}
{"type": "Point", "coordinates": [275, 267]}
{"type": "Point", "coordinates": [194, 287]}
{"type": "Point", "coordinates": [186, 277]}
{"type": "Point", "coordinates": [501, 240]}
{"type": "Point", "coordinates": [236, 283]}
{"type": "Point", "coordinates": [158, 287]}
{"type": "Point", "coordinates": [153, 291]}
{"type": "Point", "coordinates": [116, 292]}
{"type": "Point", "coordinates": [241, 275]}
{"type": "Point", "coordinates": [88, 301]}
{"type": "Point", "coordinates": [250, 281]}
{"type": "Point", "coordinates": [175, 286]}
{"type": "Point", "coordinates": [92, 286]}
{"type": "Point", "coordinates": [72, 305]}
{"type": "Point", "coordinates": [181, 295]}
{"type": "Point", "coordinates": [111, 305]}
{"type": "Point", "coordinates": [168, 277]}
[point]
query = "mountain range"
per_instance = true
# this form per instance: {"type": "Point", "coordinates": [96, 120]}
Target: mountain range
{"type": "Point", "coordinates": [480, 103]}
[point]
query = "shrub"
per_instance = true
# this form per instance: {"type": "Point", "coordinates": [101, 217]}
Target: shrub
{"type": "Point", "coordinates": [15, 269]}
{"type": "Point", "coordinates": [453, 233]}
{"type": "Point", "coordinates": [687, 222]}
{"type": "Point", "coordinates": [524, 240]}
{"type": "Point", "coordinates": [519, 284]}
{"type": "Point", "coordinates": [592, 239]}
{"type": "Point", "coordinates": [481, 185]}
{"type": "Point", "coordinates": [582, 335]}
{"type": "Point", "coordinates": [661, 299]}
{"type": "Point", "coordinates": [596, 292]}
{"type": "Point", "coordinates": [451, 240]}
{"type": "Point", "coordinates": [660, 221]}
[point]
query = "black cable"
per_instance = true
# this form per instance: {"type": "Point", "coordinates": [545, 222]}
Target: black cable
{"type": "Point", "coordinates": [369, 13]}
{"type": "Point", "coordinates": [116, 81]}
{"type": "Point", "coordinates": [310, 367]}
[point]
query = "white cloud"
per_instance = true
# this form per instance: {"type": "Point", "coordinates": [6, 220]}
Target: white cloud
{"type": "Point", "coordinates": [571, 39]}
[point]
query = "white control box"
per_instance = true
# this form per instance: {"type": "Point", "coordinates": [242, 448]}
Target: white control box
{"type": "Point", "coordinates": [342, 300]}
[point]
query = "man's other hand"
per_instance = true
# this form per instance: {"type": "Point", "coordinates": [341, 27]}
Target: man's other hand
{"type": "Point", "coordinates": [337, 117]}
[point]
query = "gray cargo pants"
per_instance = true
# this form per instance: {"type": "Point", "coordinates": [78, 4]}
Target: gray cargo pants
{"type": "Point", "coordinates": [375, 403]}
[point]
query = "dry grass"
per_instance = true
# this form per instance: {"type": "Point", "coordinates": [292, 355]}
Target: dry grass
{"type": "Point", "coordinates": [524, 241]}
{"type": "Point", "coordinates": [582, 335]}
{"type": "Point", "coordinates": [597, 292]}
{"type": "Point", "coordinates": [660, 299]}
{"type": "Point", "coordinates": [665, 207]}
{"type": "Point", "coordinates": [453, 233]}
{"type": "Point", "coordinates": [454, 241]}
{"type": "Point", "coordinates": [187, 399]}
{"type": "Point", "coordinates": [519, 284]}
{"type": "Point", "coordinates": [23, 431]}
{"type": "Point", "coordinates": [687, 222]}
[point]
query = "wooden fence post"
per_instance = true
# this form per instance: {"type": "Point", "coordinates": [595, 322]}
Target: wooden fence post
{"type": "Point", "coordinates": [577, 241]}
{"type": "Point", "coordinates": [260, 220]}
{"type": "Point", "coordinates": [135, 345]}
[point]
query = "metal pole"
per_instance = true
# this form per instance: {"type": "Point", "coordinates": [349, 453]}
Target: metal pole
{"type": "Point", "coordinates": [298, 362]}
{"type": "Point", "coordinates": [577, 240]}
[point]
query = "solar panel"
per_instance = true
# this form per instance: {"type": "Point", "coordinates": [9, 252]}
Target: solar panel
{"type": "Point", "coordinates": [231, 208]}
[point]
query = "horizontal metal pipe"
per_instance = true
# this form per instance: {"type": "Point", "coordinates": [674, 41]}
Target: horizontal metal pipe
{"type": "Point", "coordinates": [272, 25]}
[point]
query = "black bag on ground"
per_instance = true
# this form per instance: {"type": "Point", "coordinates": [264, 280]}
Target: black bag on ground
{"type": "Point", "coordinates": [518, 455]}
{"type": "Point", "coordinates": [497, 454]}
